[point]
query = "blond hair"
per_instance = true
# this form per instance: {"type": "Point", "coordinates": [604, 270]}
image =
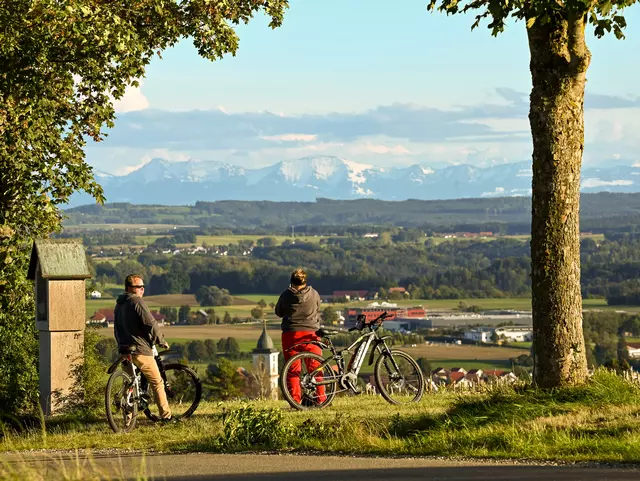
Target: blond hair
{"type": "Point", "coordinates": [298, 277]}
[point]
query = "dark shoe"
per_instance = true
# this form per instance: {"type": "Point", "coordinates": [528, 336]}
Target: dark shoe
{"type": "Point", "coordinates": [171, 420]}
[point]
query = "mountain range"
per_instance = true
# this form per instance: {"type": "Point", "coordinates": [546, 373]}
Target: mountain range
{"type": "Point", "coordinates": [308, 178]}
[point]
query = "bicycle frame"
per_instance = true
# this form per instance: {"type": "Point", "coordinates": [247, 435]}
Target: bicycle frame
{"type": "Point", "coordinates": [358, 349]}
{"type": "Point", "coordinates": [135, 391]}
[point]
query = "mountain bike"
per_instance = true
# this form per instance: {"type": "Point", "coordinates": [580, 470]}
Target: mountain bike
{"type": "Point", "coordinates": [397, 375]}
{"type": "Point", "coordinates": [128, 392]}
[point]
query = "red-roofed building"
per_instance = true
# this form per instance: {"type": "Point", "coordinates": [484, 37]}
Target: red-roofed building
{"type": "Point", "coordinates": [401, 290]}
{"type": "Point", "coordinates": [373, 312]}
{"type": "Point", "coordinates": [351, 295]}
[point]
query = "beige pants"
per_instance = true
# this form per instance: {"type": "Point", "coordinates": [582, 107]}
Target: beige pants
{"type": "Point", "coordinates": [149, 367]}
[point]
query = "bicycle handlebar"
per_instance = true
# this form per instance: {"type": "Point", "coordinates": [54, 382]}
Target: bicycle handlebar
{"type": "Point", "coordinates": [377, 320]}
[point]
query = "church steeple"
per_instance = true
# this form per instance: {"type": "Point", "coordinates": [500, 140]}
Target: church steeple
{"type": "Point", "coordinates": [265, 360]}
{"type": "Point", "coordinates": [265, 343]}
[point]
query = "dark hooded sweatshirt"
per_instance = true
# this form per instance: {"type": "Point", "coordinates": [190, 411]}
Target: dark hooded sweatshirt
{"type": "Point", "coordinates": [135, 325]}
{"type": "Point", "coordinates": [299, 309]}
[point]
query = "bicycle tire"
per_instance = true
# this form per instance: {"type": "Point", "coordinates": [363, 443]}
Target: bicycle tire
{"type": "Point", "coordinates": [383, 388]}
{"type": "Point", "coordinates": [197, 386]}
{"type": "Point", "coordinates": [112, 416]}
{"type": "Point", "coordinates": [307, 402]}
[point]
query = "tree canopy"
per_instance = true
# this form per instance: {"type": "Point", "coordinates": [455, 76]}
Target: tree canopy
{"type": "Point", "coordinates": [605, 15]}
{"type": "Point", "coordinates": [64, 62]}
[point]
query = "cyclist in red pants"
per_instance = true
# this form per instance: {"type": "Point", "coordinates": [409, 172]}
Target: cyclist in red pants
{"type": "Point", "coordinates": [299, 308]}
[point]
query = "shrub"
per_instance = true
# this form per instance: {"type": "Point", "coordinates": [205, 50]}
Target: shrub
{"type": "Point", "coordinates": [86, 397]}
{"type": "Point", "coordinates": [248, 427]}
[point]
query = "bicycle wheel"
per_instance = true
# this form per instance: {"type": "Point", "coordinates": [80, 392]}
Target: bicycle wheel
{"type": "Point", "coordinates": [120, 405]}
{"type": "Point", "coordinates": [184, 391]}
{"type": "Point", "coordinates": [300, 370]}
{"type": "Point", "coordinates": [399, 378]}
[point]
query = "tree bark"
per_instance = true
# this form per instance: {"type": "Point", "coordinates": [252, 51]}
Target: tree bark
{"type": "Point", "coordinates": [559, 61]}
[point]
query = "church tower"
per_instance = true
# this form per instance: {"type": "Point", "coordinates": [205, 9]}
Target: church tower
{"type": "Point", "coordinates": [265, 365]}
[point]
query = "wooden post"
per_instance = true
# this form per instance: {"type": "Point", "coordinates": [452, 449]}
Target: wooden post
{"type": "Point", "coordinates": [59, 269]}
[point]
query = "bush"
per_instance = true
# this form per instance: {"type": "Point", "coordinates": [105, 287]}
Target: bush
{"type": "Point", "coordinates": [19, 341]}
{"type": "Point", "coordinates": [248, 427]}
{"type": "Point", "coordinates": [86, 397]}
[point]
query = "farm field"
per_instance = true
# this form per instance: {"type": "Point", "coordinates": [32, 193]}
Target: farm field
{"type": "Point", "coordinates": [446, 355]}
{"type": "Point", "coordinates": [245, 302]}
{"type": "Point", "coordinates": [82, 227]}
{"type": "Point", "coordinates": [234, 239]}
{"type": "Point", "coordinates": [463, 353]}
{"type": "Point", "coordinates": [239, 331]}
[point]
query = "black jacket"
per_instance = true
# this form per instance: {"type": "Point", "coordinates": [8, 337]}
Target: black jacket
{"type": "Point", "coordinates": [135, 325]}
{"type": "Point", "coordinates": [299, 309]}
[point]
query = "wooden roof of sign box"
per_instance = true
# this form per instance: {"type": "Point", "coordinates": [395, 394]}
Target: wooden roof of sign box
{"type": "Point", "coordinates": [59, 259]}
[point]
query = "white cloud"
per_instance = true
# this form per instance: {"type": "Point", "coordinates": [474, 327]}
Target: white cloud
{"type": "Point", "coordinates": [291, 137]}
{"type": "Point", "coordinates": [386, 149]}
{"type": "Point", "coordinates": [132, 100]}
{"type": "Point", "coordinates": [595, 182]}
{"type": "Point", "coordinates": [498, 192]}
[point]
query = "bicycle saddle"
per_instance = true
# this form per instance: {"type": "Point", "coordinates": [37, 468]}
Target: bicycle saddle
{"type": "Point", "coordinates": [326, 332]}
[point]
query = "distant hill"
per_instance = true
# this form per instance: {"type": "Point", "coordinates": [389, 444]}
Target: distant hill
{"type": "Point", "coordinates": [600, 212]}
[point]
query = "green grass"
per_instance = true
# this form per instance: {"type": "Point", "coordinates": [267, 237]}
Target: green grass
{"type": "Point", "coordinates": [268, 298]}
{"type": "Point", "coordinates": [597, 422]}
{"type": "Point", "coordinates": [523, 345]}
{"type": "Point", "coordinates": [232, 239]}
{"type": "Point", "coordinates": [514, 303]}
{"type": "Point", "coordinates": [83, 227]}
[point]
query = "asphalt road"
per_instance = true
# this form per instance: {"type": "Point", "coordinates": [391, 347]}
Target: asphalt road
{"type": "Point", "coordinates": [263, 467]}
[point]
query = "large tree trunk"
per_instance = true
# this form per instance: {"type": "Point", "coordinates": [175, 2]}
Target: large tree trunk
{"type": "Point", "coordinates": [559, 61]}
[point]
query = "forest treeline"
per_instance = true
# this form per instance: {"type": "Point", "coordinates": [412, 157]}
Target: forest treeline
{"type": "Point", "coordinates": [601, 212]}
{"type": "Point", "coordinates": [426, 268]}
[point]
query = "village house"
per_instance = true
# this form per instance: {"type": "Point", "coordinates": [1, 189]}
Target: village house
{"type": "Point", "coordinates": [106, 316]}
{"type": "Point", "coordinates": [633, 348]}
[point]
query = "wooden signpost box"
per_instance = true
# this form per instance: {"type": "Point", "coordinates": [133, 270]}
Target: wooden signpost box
{"type": "Point", "coordinates": [59, 268]}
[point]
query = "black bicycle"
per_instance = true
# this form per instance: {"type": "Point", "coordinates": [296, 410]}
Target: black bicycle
{"type": "Point", "coordinates": [397, 375]}
{"type": "Point", "coordinates": [128, 391]}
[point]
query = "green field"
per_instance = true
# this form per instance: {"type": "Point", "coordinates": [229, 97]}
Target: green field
{"type": "Point", "coordinates": [82, 227]}
{"type": "Point", "coordinates": [233, 239]}
{"type": "Point", "coordinates": [245, 303]}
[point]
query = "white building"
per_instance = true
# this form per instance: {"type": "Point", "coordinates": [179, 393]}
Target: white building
{"type": "Point", "coordinates": [515, 333]}
{"type": "Point", "coordinates": [511, 333]}
{"type": "Point", "coordinates": [634, 350]}
{"type": "Point", "coordinates": [96, 295]}
{"type": "Point", "coordinates": [481, 334]}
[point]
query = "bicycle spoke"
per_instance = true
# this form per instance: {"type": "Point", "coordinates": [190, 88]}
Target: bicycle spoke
{"type": "Point", "coordinates": [399, 378]}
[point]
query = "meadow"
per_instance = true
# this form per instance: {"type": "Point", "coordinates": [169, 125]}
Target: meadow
{"type": "Point", "coordinates": [513, 303]}
{"type": "Point", "coordinates": [596, 422]}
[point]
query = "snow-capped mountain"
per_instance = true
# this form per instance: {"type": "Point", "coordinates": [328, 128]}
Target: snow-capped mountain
{"type": "Point", "coordinates": [305, 179]}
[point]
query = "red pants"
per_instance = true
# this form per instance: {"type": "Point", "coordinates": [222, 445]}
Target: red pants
{"type": "Point", "coordinates": [293, 375]}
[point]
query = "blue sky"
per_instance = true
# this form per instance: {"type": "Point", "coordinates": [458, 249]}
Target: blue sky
{"type": "Point", "coordinates": [341, 66]}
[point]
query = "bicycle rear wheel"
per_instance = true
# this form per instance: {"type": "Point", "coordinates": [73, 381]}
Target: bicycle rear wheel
{"type": "Point", "coordinates": [184, 392]}
{"type": "Point", "coordinates": [302, 370]}
{"type": "Point", "coordinates": [120, 405]}
{"type": "Point", "coordinates": [399, 378]}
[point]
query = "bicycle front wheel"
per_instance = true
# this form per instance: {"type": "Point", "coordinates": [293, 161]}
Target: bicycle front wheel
{"type": "Point", "coordinates": [305, 385]}
{"type": "Point", "coordinates": [120, 405]}
{"type": "Point", "coordinates": [399, 378]}
{"type": "Point", "coordinates": [183, 389]}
